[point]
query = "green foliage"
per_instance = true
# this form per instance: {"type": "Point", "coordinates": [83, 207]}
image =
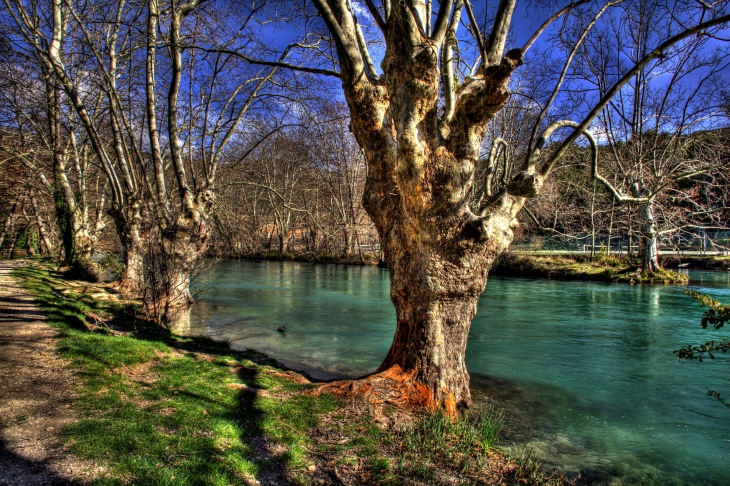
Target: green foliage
{"type": "Point", "coordinates": [490, 425]}
{"type": "Point", "coordinates": [716, 315]}
{"type": "Point", "coordinates": [527, 464]}
{"type": "Point", "coordinates": [111, 262]}
{"type": "Point", "coordinates": [608, 259]}
{"type": "Point", "coordinates": [28, 239]}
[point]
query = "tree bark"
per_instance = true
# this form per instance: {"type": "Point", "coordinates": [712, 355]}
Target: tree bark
{"type": "Point", "coordinates": [183, 245]}
{"type": "Point", "coordinates": [420, 171]}
{"type": "Point", "coordinates": [42, 232]}
{"type": "Point", "coordinates": [9, 225]}
{"type": "Point", "coordinates": [649, 247]}
{"type": "Point", "coordinates": [128, 224]}
{"type": "Point", "coordinates": [648, 234]}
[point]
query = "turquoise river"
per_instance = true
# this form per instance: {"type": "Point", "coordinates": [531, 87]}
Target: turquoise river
{"type": "Point", "coordinates": [584, 370]}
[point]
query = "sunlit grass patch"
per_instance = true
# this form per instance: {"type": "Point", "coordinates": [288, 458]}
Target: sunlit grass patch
{"type": "Point", "coordinates": [157, 409]}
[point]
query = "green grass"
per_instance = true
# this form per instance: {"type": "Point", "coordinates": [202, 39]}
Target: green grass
{"type": "Point", "coordinates": [462, 440]}
{"type": "Point", "coordinates": [158, 410]}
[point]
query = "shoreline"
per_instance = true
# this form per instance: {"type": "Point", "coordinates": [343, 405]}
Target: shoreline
{"type": "Point", "coordinates": [534, 265]}
{"type": "Point", "coordinates": [154, 407]}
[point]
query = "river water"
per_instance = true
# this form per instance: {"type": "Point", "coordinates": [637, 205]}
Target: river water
{"type": "Point", "coordinates": [584, 370]}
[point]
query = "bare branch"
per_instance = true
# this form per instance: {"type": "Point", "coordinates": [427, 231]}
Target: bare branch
{"type": "Point", "coordinates": [549, 21]}
{"type": "Point", "coordinates": [476, 32]}
{"type": "Point", "coordinates": [653, 54]}
{"type": "Point", "coordinates": [498, 36]}
{"type": "Point", "coordinates": [376, 15]}
{"type": "Point", "coordinates": [286, 65]}
{"type": "Point", "coordinates": [566, 66]}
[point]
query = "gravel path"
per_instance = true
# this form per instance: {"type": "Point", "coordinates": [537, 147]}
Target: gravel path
{"type": "Point", "coordinates": [36, 389]}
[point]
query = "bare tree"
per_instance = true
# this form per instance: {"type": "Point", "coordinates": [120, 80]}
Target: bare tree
{"type": "Point", "coordinates": [655, 150]}
{"type": "Point", "coordinates": [421, 133]}
{"type": "Point", "coordinates": [160, 158]}
{"type": "Point", "coordinates": [45, 140]}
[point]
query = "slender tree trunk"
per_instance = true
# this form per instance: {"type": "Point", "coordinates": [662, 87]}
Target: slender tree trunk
{"type": "Point", "coordinates": [13, 240]}
{"type": "Point", "coordinates": [649, 246]}
{"type": "Point", "coordinates": [9, 225]}
{"type": "Point", "coordinates": [648, 235]}
{"type": "Point", "coordinates": [593, 222]}
{"type": "Point", "coordinates": [42, 232]}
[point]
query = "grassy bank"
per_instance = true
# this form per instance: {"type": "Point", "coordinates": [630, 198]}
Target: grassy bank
{"type": "Point", "coordinates": [605, 268]}
{"type": "Point", "coordinates": [154, 408]}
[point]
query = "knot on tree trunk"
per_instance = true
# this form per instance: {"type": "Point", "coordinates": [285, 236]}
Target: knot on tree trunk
{"type": "Point", "coordinates": [525, 184]}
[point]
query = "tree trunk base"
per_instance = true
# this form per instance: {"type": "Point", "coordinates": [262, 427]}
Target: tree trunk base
{"type": "Point", "coordinates": [391, 396]}
{"type": "Point", "coordinates": [83, 269]}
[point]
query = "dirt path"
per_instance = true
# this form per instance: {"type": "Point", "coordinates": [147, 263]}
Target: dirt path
{"type": "Point", "coordinates": [36, 389]}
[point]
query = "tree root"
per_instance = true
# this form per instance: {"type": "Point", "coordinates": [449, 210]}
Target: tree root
{"type": "Point", "coordinates": [392, 396]}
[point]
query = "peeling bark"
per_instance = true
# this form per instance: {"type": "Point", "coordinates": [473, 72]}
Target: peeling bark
{"type": "Point", "coordinates": [182, 245]}
{"type": "Point", "coordinates": [129, 229]}
{"type": "Point", "coordinates": [420, 172]}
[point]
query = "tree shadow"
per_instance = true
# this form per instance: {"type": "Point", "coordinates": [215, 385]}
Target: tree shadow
{"type": "Point", "coordinates": [270, 429]}
{"type": "Point", "coordinates": [16, 470]}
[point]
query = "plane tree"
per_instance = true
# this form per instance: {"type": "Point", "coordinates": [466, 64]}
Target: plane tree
{"type": "Point", "coordinates": [420, 120]}
{"type": "Point", "coordinates": [168, 106]}
{"type": "Point", "coordinates": [660, 144]}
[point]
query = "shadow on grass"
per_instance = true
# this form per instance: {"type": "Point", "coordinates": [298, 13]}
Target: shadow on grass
{"type": "Point", "coordinates": [17, 470]}
{"type": "Point", "coordinates": [160, 409]}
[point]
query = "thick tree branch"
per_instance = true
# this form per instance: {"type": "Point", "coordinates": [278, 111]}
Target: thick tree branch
{"type": "Point", "coordinates": [498, 36]}
{"type": "Point", "coordinates": [447, 63]}
{"type": "Point", "coordinates": [442, 21]}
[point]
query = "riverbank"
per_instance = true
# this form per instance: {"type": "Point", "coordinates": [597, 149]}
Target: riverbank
{"type": "Point", "coordinates": [537, 265]}
{"type": "Point", "coordinates": [582, 267]}
{"type": "Point", "coordinates": [154, 408]}
{"type": "Point", "coordinates": [366, 258]}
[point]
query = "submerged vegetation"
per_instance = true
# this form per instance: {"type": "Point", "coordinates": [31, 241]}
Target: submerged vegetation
{"type": "Point", "coordinates": [155, 408]}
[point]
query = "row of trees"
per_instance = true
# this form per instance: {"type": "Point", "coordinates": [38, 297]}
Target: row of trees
{"type": "Point", "coordinates": [181, 127]}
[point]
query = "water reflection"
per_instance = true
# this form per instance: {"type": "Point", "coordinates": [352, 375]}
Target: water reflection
{"type": "Point", "coordinates": [585, 370]}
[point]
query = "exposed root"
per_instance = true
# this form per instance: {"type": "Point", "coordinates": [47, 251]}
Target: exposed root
{"type": "Point", "coordinates": [389, 396]}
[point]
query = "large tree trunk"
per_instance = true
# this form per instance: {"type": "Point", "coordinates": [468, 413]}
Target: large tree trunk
{"type": "Point", "coordinates": [435, 288]}
{"type": "Point", "coordinates": [439, 253]}
{"type": "Point", "coordinates": [128, 225]}
{"type": "Point", "coordinates": [421, 157]}
{"type": "Point", "coordinates": [183, 245]}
